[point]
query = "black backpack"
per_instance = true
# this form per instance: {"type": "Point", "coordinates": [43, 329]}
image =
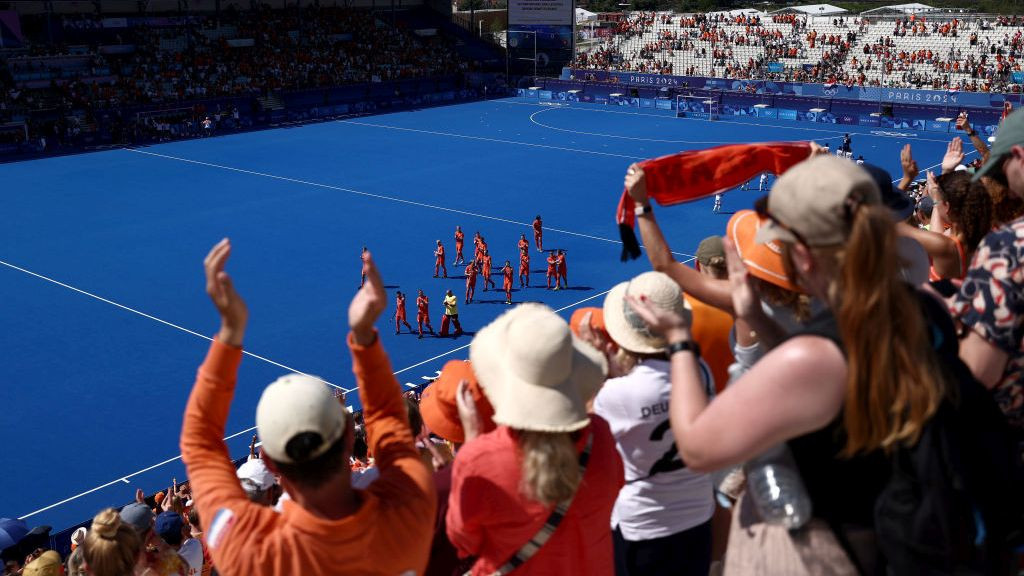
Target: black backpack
{"type": "Point", "coordinates": [953, 504]}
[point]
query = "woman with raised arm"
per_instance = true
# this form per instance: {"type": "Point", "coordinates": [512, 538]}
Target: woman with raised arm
{"type": "Point", "coordinates": [962, 216]}
{"type": "Point", "coordinates": [859, 378]}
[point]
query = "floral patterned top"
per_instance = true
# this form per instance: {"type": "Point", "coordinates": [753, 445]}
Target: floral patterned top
{"type": "Point", "coordinates": [991, 302]}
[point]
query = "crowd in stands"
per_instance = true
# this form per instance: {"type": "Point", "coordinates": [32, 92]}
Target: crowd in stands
{"type": "Point", "coordinates": [234, 53]}
{"type": "Point", "coordinates": [916, 51]}
{"type": "Point", "coordinates": [833, 387]}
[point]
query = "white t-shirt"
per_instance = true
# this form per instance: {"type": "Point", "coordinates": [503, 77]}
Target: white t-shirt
{"type": "Point", "coordinates": [661, 496]}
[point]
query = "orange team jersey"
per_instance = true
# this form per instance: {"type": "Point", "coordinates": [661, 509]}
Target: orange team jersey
{"type": "Point", "coordinates": [421, 304]}
{"type": "Point", "coordinates": [552, 264]}
{"type": "Point", "coordinates": [400, 306]}
{"type": "Point", "coordinates": [384, 536]}
{"type": "Point", "coordinates": [470, 275]}
{"type": "Point", "coordinates": [536, 226]}
{"type": "Point", "coordinates": [524, 245]}
{"type": "Point", "coordinates": [487, 266]}
{"type": "Point", "coordinates": [459, 238]}
{"type": "Point", "coordinates": [524, 264]}
{"type": "Point", "coordinates": [439, 252]}
{"type": "Point", "coordinates": [561, 262]}
{"type": "Point", "coordinates": [507, 272]}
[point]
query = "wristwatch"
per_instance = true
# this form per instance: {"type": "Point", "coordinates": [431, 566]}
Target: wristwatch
{"type": "Point", "coordinates": [683, 346]}
{"type": "Point", "coordinates": [641, 209]}
{"type": "Point", "coordinates": [972, 133]}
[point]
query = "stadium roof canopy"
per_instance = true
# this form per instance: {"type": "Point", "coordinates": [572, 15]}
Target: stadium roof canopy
{"type": "Point", "coordinates": [740, 12]}
{"type": "Point", "coordinates": [913, 8]}
{"type": "Point", "coordinates": [584, 15]}
{"type": "Point", "coordinates": [813, 10]}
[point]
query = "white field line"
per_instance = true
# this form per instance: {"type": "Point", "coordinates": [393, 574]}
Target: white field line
{"type": "Point", "coordinates": [235, 435]}
{"type": "Point", "coordinates": [379, 196]}
{"type": "Point", "coordinates": [160, 320]}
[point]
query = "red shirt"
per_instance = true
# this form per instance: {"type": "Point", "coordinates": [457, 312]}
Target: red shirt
{"type": "Point", "coordinates": [489, 517]}
{"type": "Point", "coordinates": [439, 252]}
{"type": "Point", "coordinates": [561, 262]}
{"type": "Point", "coordinates": [459, 237]}
{"type": "Point", "coordinates": [536, 226]}
{"type": "Point", "coordinates": [400, 306]}
{"type": "Point", "coordinates": [552, 264]}
{"type": "Point", "coordinates": [507, 271]}
{"type": "Point", "coordinates": [470, 275]}
{"type": "Point", "coordinates": [487, 265]}
{"type": "Point", "coordinates": [524, 246]}
{"type": "Point", "coordinates": [421, 304]}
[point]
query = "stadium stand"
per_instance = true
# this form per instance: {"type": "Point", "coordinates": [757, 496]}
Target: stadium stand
{"type": "Point", "coordinates": [916, 51]}
{"type": "Point", "coordinates": [158, 78]}
{"type": "Point", "coordinates": [546, 410]}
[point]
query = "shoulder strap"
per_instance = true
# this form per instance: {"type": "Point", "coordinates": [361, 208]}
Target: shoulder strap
{"type": "Point", "coordinates": [534, 544]}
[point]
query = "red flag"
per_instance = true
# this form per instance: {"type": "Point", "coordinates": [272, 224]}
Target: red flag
{"type": "Point", "coordinates": [696, 174]}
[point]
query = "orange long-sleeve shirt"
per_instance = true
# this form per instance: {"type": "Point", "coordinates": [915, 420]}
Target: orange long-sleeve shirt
{"type": "Point", "coordinates": [389, 534]}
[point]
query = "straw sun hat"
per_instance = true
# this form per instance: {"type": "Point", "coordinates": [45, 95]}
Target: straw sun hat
{"type": "Point", "coordinates": [628, 329]}
{"type": "Point", "coordinates": [537, 375]}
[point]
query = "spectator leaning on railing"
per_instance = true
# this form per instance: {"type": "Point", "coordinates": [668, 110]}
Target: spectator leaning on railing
{"type": "Point", "coordinates": [307, 438]}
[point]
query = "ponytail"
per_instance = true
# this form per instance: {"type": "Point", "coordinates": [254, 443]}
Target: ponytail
{"type": "Point", "coordinates": [894, 384]}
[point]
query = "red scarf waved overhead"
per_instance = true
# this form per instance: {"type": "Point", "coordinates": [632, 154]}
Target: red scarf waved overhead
{"type": "Point", "coordinates": [696, 174]}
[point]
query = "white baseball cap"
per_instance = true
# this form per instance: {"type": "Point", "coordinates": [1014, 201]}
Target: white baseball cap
{"type": "Point", "coordinates": [295, 404]}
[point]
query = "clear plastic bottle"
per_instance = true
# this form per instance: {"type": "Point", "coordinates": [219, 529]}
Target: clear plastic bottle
{"type": "Point", "coordinates": [778, 492]}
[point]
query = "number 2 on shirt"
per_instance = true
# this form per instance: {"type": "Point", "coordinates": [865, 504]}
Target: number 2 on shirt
{"type": "Point", "coordinates": [670, 460]}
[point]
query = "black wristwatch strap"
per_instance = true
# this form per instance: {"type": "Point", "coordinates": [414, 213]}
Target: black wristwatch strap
{"type": "Point", "coordinates": [683, 346]}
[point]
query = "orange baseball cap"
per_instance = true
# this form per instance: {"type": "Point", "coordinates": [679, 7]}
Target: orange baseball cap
{"type": "Point", "coordinates": [596, 320]}
{"type": "Point", "coordinates": [763, 261]}
{"type": "Point", "coordinates": [438, 407]}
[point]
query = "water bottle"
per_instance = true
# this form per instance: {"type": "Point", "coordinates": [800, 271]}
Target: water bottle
{"type": "Point", "coordinates": [775, 486]}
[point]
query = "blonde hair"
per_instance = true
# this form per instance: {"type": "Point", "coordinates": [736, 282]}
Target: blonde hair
{"type": "Point", "coordinates": [111, 548]}
{"type": "Point", "coordinates": [894, 381]}
{"type": "Point", "coordinates": [551, 470]}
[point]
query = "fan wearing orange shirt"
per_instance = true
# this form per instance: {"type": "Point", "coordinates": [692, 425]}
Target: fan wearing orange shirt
{"type": "Point", "coordinates": [485, 269]}
{"type": "Point", "coordinates": [506, 283]}
{"type": "Point", "coordinates": [459, 240]}
{"type": "Point", "coordinates": [538, 234]}
{"type": "Point", "coordinates": [552, 270]}
{"type": "Point", "coordinates": [524, 268]}
{"type": "Point", "coordinates": [400, 313]}
{"type": "Point", "coordinates": [470, 281]}
{"type": "Point", "coordinates": [439, 260]}
{"type": "Point", "coordinates": [562, 270]}
{"type": "Point", "coordinates": [422, 316]}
